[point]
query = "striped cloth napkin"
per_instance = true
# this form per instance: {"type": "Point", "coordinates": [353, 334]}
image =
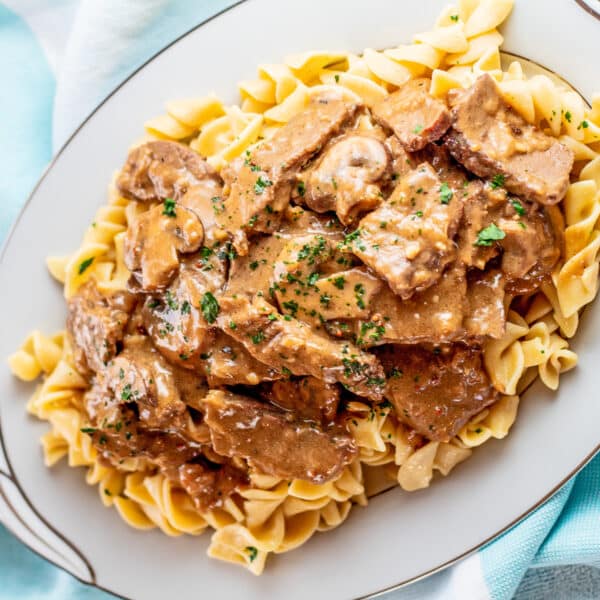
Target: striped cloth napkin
{"type": "Point", "coordinates": [59, 60]}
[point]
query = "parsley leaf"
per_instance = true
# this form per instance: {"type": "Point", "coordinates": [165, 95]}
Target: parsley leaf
{"type": "Point", "coordinates": [498, 181]}
{"type": "Point", "coordinates": [169, 208]}
{"type": "Point", "coordinates": [210, 307]}
{"type": "Point", "coordinates": [252, 552]}
{"type": "Point", "coordinates": [84, 264]}
{"type": "Point", "coordinates": [445, 193]}
{"type": "Point", "coordinates": [418, 129]}
{"type": "Point", "coordinates": [262, 183]}
{"type": "Point", "coordinates": [519, 208]}
{"type": "Point", "coordinates": [489, 234]}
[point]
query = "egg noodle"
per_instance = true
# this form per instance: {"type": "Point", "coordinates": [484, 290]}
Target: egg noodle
{"type": "Point", "coordinates": [273, 515]}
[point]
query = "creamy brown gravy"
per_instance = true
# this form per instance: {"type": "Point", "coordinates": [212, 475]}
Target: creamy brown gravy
{"type": "Point", "coordinates": [349, 257]}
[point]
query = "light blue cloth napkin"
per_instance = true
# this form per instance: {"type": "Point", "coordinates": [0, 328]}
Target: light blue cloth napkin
{"type": "Point", "coordinates": [58, 59]}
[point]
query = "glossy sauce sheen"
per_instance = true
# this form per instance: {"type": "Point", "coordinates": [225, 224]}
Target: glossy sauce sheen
{"type": "Point", "coordinates": [351, 257]}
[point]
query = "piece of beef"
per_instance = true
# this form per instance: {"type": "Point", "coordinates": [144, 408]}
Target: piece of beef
{"type": "Point", "coordinates": [348, 177]}
{"type": "Point", "coordinates": [408, 240]}
{"type": "Point", "coordinates": [154, 242]}
{"type": "Point", "coordinates": [260, 182]}
{"type": "Point", "coordinates": [254, 273]}
{"type": "Point", "coordinates": [275, 443]}
{"type": "Point", "coordinates": [458, 307]}
{"type": "Point", "coordinates": [416, 117]}
{"type": "Point", "coordinates": [484, 312]}
{"type": "Point", "coordinates": [435, 315]}
{"type": "Point", "coordinates": [307, 397]}
{"type": "Point", "coordinates": [436, 391]}
{"type": "Point", "coordinates": [532, 247]}
{"type": "Point", "coordinates": [96, 324]}
{"type": "Point", "coordinates": [491, 140]}
{"type": "Point", "coordinates": [402, 161]}
{"type": "Point", "coordinates": [290, 346]}
{"type": "Point", "coordinates": [161, 169]}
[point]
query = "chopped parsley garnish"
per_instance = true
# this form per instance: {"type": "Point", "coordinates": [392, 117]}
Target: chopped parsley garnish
{"type": "Point", "coordinates": [183, 356]}
{"type": "Point", "coordinates": [312, 278]}
{"type": "Point", "coordinates": [419, 213]}
{"type": "Point", "coordinates": [311, 252]}
{"type": "Point", "coordinates": [252, 552]}
{"type": "Point", "coordinates": [88, 430]}
{"type": "Point", "coordinates": [84, 264]}
{"type": "Point", "coordinates": [583, 124]}
{"type": "Point", "coordinates": [232, 325]}
{"type": "Point", "coordinates": [337, 78]}
{"type": "Point", "coordinates": [498, 181]}
{"type": "Point", "coordinates": [252, 221]}
{"type": "Point", "coordinates": [568, 116]}
{"type": "Point", "coordinates": [153, 303]}
{"type": "Point", "coordinates": [291, 306]}
{"type": "Point", "coordinates": [339, 282]}
{"type": "Point", "coordinates": [126, 392]}
{"type": "Point", "coordinates": [445, 193]}
{"type": "Point", "coordinates": [519, 208]}
{"type": "Point", "coordinates": [359, 292]}
{"type": "Point", "coordinates": [121, 374]}
{"type": "Point", "coordinates": [169, 208]}
{"type": "Point", "coordinates": [258, 337]}
{"type": "Point", "coordinates": [210, 307]}
{"type": "Point", "coordinates": [262, 183]}
{"type": "Point", "coordinates": [522, 225]}
{"type": "Point", "coordinates": [171, 302]}
{"type": "Point", "coordinates": [349, 238]}
{"type": "Point", "coordinates": [489, 234]}
{"type": "Point", "coordinates": [253, 265]}
{"type": "Point", "coordinates": [301, 188]}
{"type": "Point", "coordinates": [418, 129]}
{"type": "Point", "coordinates": [454, 18]}
{"type": "Point", "coordinates": [185, 308]}
{"type": "Point", "coordinates": [325, 299]}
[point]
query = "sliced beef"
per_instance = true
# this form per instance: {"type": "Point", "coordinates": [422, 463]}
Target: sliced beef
{"type": "Point", "coordinates": [209, 483]}
{"type": "Point", "coordinates": [530, 242]}
{"type": "Point", "coordinates": [155, 241]}
{"type": "Point", "coordinates": [408, 240]}
{"type": "Point", "coordinates": [446, 168]}
{"type": "Point", "coordinates": [254, 273]}
{"type": "Point", "coordinates": [229, 363]}
{"type": "Point", "coordinates": [307, 397]}
{"type": "Point", "coordinates": [260, 183]}
{"type": "Point", "coordinates": [292, 347]}
{"type": "Point", "coordinates": [491, 140]}
{"type": "Point", "coordinates": [160, 169]}
{"type": "Point", "coordinates": [532, 247]}
{"type": "Point", "coordinates": [275, 443]}
{"type": "Point", "coordinates": [436, 391]}
{"type": "Point", "coordinates": [481, 208]}
{"type": "Point", "coordinates": [348, 177]}
{"type": "Point", "coordinates": [435, 315]}
{"type": "Point", "coordinates": [416, 117]}
{"type": "Point", "coordinates": [96, 324]}
{"type": "Point", "coordinates": [458, 307]}
{"type": "Point", "coordinates": [402, 161]}
{"type": "Point", "coordinates": [485, 315]}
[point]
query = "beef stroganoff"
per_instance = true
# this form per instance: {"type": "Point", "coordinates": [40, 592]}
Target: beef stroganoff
{"type": "Point", "coordinates": [350, 276]}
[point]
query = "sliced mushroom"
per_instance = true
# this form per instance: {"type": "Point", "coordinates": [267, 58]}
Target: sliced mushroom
{"type": "Point", "coordinates": [153, 242]}
{"type": "Point", "coordinates": [348, 177]}
{"type": "Point", "coordinates": [161, 169]}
